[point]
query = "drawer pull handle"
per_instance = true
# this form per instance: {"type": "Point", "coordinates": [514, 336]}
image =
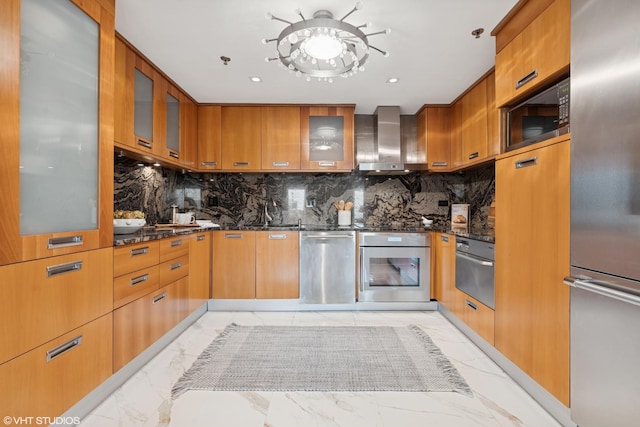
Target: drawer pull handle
{"type": "Point", "coordinates": [444, 238]}
{"type": "Point", "coordinates": [63, 348]}
{"type": "Point", "coordinates": [176, 243]}
{"type": "Point", "coordinates": [439, 164]}
{"type": "Point", "coordinates": [474, 155]}
{"type": "Point", "coordinates": [532, 161]}
{"type": "Point", "coordinates": [281, 164]}
{"type": "Point", "coordinates": [200, 238]}
{"type": "Point", "coordinates": [55, 270]}
{"type": "Point", "coordinates": [144, 144]}
{"type": "Point", "coordinates": [139, 251]}
{"type": "Point", "coordinates": [137, 280]}
{"type": "Point", "coordinates": [472, 305]}
{"type": "Point", "coordinates": [526, 79]}
{"type": "Point", "coordinates": [240, 163]}
{"type": "Point", "coordinates": [233, 236]}
{"type": "Point", "coordinates": [175, 266]}
{"type": "Point", "coordinates": [327, 164]}
{"type": "Point", "coordinates": [277, 236]}
{"type": "Point", "coordinates": [174, 154]}
{"type": "Point", "coordinates": [63, 242]}
{"type": "Point", "coordinates": [211, 164]}
{"type": "Point", "coordinates": [159, 298]}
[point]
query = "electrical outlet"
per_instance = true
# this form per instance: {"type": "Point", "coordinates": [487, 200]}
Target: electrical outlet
{"type": "Point", "coordinates": [443, 203]}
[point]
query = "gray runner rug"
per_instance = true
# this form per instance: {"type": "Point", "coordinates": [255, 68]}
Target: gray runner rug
{"type": "Point", "coordinates": [322, 358]}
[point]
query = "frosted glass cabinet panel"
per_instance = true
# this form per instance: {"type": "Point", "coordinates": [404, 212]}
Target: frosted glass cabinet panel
{"type": "Point", "coordinates": [326, 138]}
{"type": "Point", "coordinates": [59, 46]}
{"type": "Point", "coordinates": [143, 109]}
{"type": "Point", "coordinates": [173, 125]}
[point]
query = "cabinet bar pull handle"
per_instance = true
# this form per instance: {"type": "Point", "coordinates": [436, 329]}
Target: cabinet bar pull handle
{"type": "Point", "coordinates": [144, 144]}
{"type": "Point", "coordinates": [63, 242]}
{"type": "Point", "coordinates": [280, 164]}
{"type": "Point", "coordinates": [526, 79]}
{"type": "Point", "coordinates": [175, 266]}
{"type": "Point", "coordinates": [240, 163]}
{"type": "Point", "coordinates": [55, 270]}
{"type": "Point", "coordinates": [159, 298]}
{"type": "Point", "coordinates": [439, 164]}
{"type": "Point", "coordinates": [474, 155]}
{"type": "Point", "coordinates": [176, 243]}
{"type": "Point", "coordinates": [63, 348]}
{"type": "Point", "coordinates": [139, 251]}
{"type": "Point", "coordinates": [327, 164]}
{"type": "Point", "coordinates": [233, 236]}
{"type": "Point", "coordinates": [174, 154]}
{"type": "Point", "coordinates": [531, 161]}
{"type": "Point", "coordinates": [200, 238]}
{"type": "Point", "coordinates": [444, 238]}
{"type": "Point", "coordinates": [214, 164]}
{"type": "Point", "coordinates": [277, 236]}
{"type": "Point", "coordinates": [472, 305]}
{"type": "Point", "coordinates": [137, 280]}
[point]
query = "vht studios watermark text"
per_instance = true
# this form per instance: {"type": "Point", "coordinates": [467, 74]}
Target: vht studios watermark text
{"type": "Point", "coordinates": [42, 421]}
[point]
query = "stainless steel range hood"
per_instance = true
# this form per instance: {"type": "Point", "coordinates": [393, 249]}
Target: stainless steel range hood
{"type": "Point", "coordinates": [386, 142]}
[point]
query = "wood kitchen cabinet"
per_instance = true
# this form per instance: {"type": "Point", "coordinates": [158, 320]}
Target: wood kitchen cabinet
{"type": "Point", "coordinates": [234, 265]}
{"type": "Point", "coordinates": [280, 138]}
{"type": "Point", "coordinates": [241, 138]}
{"type": "Point", "coordinates": [209, 137]}
{"type": "Point", "coordinates": [445, 272]}
{"type": "Point", "coordinates": [533, 48]}
{"type": "Point", "coordinates": [327, 145]}
{"type": "Point", "coordinates": [188, 132]}
{"type": "Point", "coordinates": [532, 252]}
{"type": "Point", "coordinates": [434, 136]}
{"type": "Point", "coordinates": [199, 269]}
{"type": "Point", "coordinates": [476, 315]}
{"type": "Point", "coordinates": [277, 265]}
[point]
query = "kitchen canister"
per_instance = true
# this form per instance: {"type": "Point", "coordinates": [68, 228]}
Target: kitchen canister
{"type": "Point", "coordinates": [344, 217]}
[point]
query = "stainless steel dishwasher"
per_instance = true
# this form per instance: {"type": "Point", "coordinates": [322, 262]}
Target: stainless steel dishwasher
{"type": "Point", "coordinates": [328, 267]}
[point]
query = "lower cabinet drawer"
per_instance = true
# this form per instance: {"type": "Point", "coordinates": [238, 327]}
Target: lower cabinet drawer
{"type": "Point", "coordinates": [134, 285]}
{"type": "Point", "coordinates": [51, 378]}
{"type": "Point", "coordinates": [48, 297]}
{"type": "Point", "coordinates": [174, 269]}
{"type": "Point", "coordinates": [478, 317]}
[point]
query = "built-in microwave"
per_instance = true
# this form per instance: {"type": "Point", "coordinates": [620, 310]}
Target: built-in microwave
{"type": "Point", "coordinates": [543, 116]}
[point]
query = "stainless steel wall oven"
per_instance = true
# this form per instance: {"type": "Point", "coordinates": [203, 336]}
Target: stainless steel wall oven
{"type": "Point", "coordinates": [394, 267]}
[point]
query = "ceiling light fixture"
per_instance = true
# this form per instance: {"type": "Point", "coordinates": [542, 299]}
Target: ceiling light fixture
{"type": "Point", "coordinates": [255, 79]}
{"type": "Point", "coordinates": [393, 80]}
{"type": "Point", "coordinates": [323, 47]}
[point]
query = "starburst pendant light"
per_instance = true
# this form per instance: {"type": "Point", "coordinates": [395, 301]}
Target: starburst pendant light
{"type": "Point", "coordinates": [323, 47]}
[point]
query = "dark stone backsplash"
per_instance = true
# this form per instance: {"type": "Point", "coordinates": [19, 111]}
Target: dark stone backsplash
{"type": "Point", "coordinates": [234, 199]}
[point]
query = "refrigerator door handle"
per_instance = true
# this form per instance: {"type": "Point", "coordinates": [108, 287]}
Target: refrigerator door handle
{"type": "Point", "coordinates": [602, 288]}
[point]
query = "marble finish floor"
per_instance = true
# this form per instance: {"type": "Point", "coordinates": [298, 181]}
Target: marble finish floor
{"type": "Point", "coordinates": [145, 399]}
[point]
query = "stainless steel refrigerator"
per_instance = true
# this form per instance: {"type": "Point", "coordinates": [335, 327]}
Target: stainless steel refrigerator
{"type": "Point", "coordinates": [605, 213]}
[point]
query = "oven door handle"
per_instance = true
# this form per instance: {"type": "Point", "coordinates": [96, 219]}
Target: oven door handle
{"type": "Point", "coordinates": [475, 259]}
{"type": "Point", "coordinates": [362, 275]}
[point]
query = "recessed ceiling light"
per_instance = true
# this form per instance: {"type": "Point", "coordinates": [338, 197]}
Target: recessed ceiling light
{"type": "Point", "coordinates": [255, 79]}
{"type": "Point", "coordinates": [141, 165]}
{"type": "Point", "coordinates": [393, 80]}
{"type": "Point", "coordinates": [156, 164]}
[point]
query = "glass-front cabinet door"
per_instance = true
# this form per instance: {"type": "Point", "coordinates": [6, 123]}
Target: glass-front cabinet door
{"type": "Point", "coordinates": [326, 135]}
{"type": "Point", "coordinates": [52, 151]}
{"type": "Point", "coordinates": [172, 150]}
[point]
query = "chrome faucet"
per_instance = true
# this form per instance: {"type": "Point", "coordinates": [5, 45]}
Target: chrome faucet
{"type": "Point", "coordinates": [267, 217]}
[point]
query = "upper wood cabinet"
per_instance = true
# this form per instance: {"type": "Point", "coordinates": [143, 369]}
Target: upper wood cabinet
{"type": "Point", "coordinates": [533, 48]}
{"type": "Point", "coordinates": [188, 132]}
{"type": "Point", "coordinates": [57, 179]}
{"type": "Point", "coordinates": [326, 136]}
{"type": "Point", "coordinates": [241, 138]}
{"type": "Point", "coordinates": [280, 138]}
{"type": "Point", "coordinates": [434, 136]}
{"type": "Point", "coordinates": [209, 137]}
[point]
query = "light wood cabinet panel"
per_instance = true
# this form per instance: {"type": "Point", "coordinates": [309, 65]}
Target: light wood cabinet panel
{"type": "Point", "coordinates": [277, 265]}
{"type": "Point", "coordinates": [456, 134]}
{"type": "Point", "coordinates": [131, 286]}
{"type": "Point", "coordinates": [173, 247]}
{"type": "Point", "coordinates": [48, 297]}
{"type": "Point", "coordinates": [434, 136]}
{"type": "Point", "coordinates": [345, 162]}
{"type": "Point", "coordinates": [135, 257]}
{"type": "Point", "coordinates": [17, 246]}
{"type": "Point", "coordinates": [234, 265]}
{"type": "Point", "coordinates": [174, 269]}
{"type": "Point", "coordinates": [532, 235]}
{"type": "Point", "coordinates": [241, 138]}
{"type": "Point", "coordinates": [493, 117]}
{"type": "Point", "coordinates": [80, 361]}
{"type": "Point", "coordinates": [445, 274]}
{"type": "Point", "coordinates": [209, 137]}
{"type": "Point", "coordinates": [199, 269]}
{"type": "Point", "coordinates": [188, 132]}
{"type": "Point", "coordinates": [280, 138]}
{"type": "Point", "coordinates": [474, 125]}
{"type": "Point", "coordinates": [541, 51]}
{"type": "Point", "coordinates": [477, 316]}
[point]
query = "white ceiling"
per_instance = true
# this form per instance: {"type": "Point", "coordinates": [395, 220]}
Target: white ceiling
{"type": "Point", "coordinates": [431, 49]}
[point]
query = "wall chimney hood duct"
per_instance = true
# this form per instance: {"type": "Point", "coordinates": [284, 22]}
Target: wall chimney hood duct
{"type": "Point", "coordinates": [379, 143]}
